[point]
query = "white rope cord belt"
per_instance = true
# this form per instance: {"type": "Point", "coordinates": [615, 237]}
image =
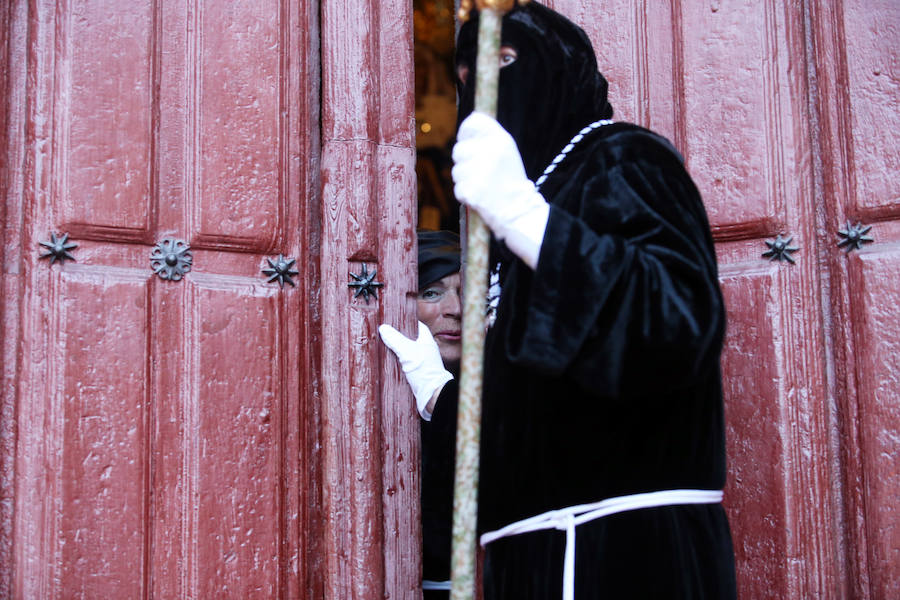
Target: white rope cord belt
{"type": "Point", "coordinates": [566, 519]}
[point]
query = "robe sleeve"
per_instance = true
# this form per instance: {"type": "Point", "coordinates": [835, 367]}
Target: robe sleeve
{"type": "Point", "coordinates": [625, 298]}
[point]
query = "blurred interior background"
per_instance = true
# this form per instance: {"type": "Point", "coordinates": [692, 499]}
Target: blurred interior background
{"type": "Point", "coordinates": [435, 112]}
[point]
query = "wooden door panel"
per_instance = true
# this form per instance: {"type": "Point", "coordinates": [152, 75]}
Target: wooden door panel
{"type": "Point", "coordinates": [100, 501]}
{"type": "Point", "coordinates": [758, 444]}
{"type": "Point", "coordinates": [162, 450]}
{"type": "Point", "coordinates": [731, 74]}
{"type": "Point", "coordinates": [103, 109]}
{"type": "Point", "coordinates": [369, 426]}
{"type": "Point", "coordinates": [856, 66]}
{"type": "Point", "coordinates": [715, 78]}
{"type": "Point", "coordinates": [236, 412]}
{"type": "Point", "coordinates": [242, 53]}
{"type": "Point", "coordinates": [83, 463]}
{"type": "Point", "coordinates": [871, 36]}
{"type": "Point", "coordinates": [873, 277]}
{"type": "Point", "coordinates": [13, 36]}
{"type": "Point", "coordinates": [227, 513]}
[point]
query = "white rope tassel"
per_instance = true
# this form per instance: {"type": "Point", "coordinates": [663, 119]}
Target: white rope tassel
{"type": "Point", "coordinates": [567, 519]}
{"type": "Point", "coordinates": [569, 565]}
{"type": "Point", "coordinates": [436, 585]}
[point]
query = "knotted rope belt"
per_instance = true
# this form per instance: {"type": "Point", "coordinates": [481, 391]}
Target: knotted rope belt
{"type": "Point", "coordinates": [566, 519]}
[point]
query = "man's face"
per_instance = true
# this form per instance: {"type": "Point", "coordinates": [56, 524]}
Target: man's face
{"type": "Point", "coordinates": [439, 306]}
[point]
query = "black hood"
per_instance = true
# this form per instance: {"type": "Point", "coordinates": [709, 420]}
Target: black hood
{"type": "Point", "coordinates": [550, 92]}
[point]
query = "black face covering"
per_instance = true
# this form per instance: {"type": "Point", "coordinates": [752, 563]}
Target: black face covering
{"type": "Point", "coordinates": [550, 92]}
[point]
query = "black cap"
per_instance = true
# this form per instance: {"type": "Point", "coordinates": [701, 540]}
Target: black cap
{"type": "Point", "coordinates": [438, 255]}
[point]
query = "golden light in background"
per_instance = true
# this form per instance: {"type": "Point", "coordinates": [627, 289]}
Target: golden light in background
{"type": "Point", "coordinates": [435, 116]}
{"type": "Point", "coordinates": [501, 6]}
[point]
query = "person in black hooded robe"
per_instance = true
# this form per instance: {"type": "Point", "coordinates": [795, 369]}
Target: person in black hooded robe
{"type": "Point", "coordinates": [601, 377]}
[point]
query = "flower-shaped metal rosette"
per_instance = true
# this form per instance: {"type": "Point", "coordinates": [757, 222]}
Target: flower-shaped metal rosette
{"type": "Point", "coordinates": [171, 259]}
{"type": "Point", "coordinates": [780, 249]}
{"type": "Point", "coordinates": [58, 248]}
{"type": "Point", "coordinates": [365, 283]}
{"type": "Point", "coordinates": [855, 236]}
{"type": "Point", "coordinates": [280, 270]}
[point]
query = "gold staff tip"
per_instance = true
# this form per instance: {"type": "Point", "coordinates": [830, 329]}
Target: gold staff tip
{"type": "Point", "coordinates": [501, 6]}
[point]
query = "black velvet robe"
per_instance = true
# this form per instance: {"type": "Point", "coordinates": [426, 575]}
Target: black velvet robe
{"type": "Point", "coordinates": [438, 452]}
{"type": "Point", "coordinates": [602, 369]}
{"type": "Point", "coordinates": [602, 379]}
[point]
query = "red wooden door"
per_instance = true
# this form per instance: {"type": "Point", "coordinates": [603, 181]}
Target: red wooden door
{"type": "Point", "coordinates": [217, 434]}
{"type": "Point", "coordinates": [786, 113]}
{"type": "Point", "coordinates": [369, 426]}
{"type": "Point", "coordinates": [857, 65]}
{"type": "Point", "coordinates": [160, 446]}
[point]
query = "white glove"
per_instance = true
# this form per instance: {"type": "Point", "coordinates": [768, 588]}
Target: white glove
{"type": "Point", "coordinates": [489, 177]}
{"type": "Point", "coordinates": [421, 362]}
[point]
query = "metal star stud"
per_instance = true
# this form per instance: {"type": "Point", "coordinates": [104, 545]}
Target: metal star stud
{"type": "Point", "coordinates": [855, 236]}
{"type": "Point", "coordinates": [780, 249]}
{"type": "Point", "coordinates": [281, 271]}
{"type": "Point", "coordinates": [58, 249]}
{"type": "Point", "coordinates": [365, 284]}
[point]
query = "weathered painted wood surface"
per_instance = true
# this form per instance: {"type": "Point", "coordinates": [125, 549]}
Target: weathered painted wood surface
{"type": "Point", "coordinates": [158, 428]}
{"type": "Point", "coordinates": [367, 210]}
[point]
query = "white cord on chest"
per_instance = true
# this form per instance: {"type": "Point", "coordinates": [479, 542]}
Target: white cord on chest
{"type": "Point", "coordinates": [569, 147]}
